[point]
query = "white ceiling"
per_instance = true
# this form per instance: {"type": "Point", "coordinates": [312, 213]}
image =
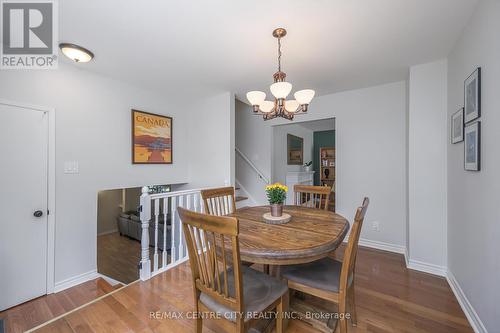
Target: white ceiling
{"type": "Point", "coordinates": [200, 47]}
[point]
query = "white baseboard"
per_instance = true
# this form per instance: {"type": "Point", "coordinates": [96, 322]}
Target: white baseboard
{"type": "Point", "coordinates": [108, 232]}
{"type": "Point", "coordinates": [382, 246]}
{"type": "Point", "coordinates": [76, 280]}
{"type": "Point", "coordinates": [426, 267]}
{"type": "Point", "coordinates": [411, 264]}
{"type": "Point", "coordinates": [470, 313]}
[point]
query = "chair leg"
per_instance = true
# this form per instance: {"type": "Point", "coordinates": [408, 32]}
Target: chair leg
{"type": "Point", "coordinates": [240, 326]}
{"type": "Point", "coordinates": [342, 312]}
{"type": "Point", "coordinates": [199, 325]}
{"type": "Point", "coordinates": [199, 319]}
{"type": "Point", "coordinates": [352, 306]}
{"type": "Point", "coordinates": [279, 316]}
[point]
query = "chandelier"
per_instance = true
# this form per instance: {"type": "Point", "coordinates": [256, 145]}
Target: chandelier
{"type": "Point", "coordinates": [280, 89]}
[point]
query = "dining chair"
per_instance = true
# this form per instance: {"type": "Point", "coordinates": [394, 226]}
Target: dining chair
{"type": "Point", "coordinates": [231, 294]}
{"type": "Point", "coordinates": [219, 201]}
{"type": "Point", "coordinates": [331, 279]}
{"type": "Point", "coordinates": [312, 196]}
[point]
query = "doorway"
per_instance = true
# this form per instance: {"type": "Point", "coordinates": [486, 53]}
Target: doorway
{"type": "Point", "coordinates": [26, 198]}
{"type": "Point", "coordinates": [310, 162]}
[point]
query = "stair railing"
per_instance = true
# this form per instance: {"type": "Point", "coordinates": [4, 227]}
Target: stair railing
{"type": "Point", "coordinates": [253, 166]}
{"type": "Point", "coordinates": [161, 209]}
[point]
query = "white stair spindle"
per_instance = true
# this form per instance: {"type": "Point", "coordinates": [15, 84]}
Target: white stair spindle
{"type": "Point", "coordinates": [202, 205]}
{"type": "Point", "coordinates": [226, 205]}
{"type": "Point", "coordinates": [145, 215]}
{"type": "Point", "coordinates": [173, 217]}
{"type": "Point", "coordinates": [196, 202]}
{"type": "Point", "coordinates": [165, 225]}
{"type": "Point", "coordinates": [157, 212]}
{"type": "Point", "coordinates": [186, 205]}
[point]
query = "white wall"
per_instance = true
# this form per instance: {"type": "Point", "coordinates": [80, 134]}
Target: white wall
{"type": "Point", "coordinates": [370, 134]}
{"type": "Point", "coordinates": [427, 137]}
{"type": "Point", "coordinates": [280, 143]}
{"type": "Point", "coordinates": [108, 208]}
{"type": "Point", "coordinates": [132, 198]}
{"type": "Point", "coordinates": [253, 138]}
{"type": "Point", "coordinates": [211, 142]}
{"type": "Point", "coordinates": [473, 197]}
{"type": "Point", "coordinates": [93, 127]}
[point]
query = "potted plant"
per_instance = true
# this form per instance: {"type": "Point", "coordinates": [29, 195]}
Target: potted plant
{"type": "Point", "coordinates": [276, 194]}
{"type": "Point", "coordinates": [308, 165]}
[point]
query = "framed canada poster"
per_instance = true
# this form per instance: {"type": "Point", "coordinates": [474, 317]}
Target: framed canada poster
{"type": "Point", "coordinates": [151, 138]}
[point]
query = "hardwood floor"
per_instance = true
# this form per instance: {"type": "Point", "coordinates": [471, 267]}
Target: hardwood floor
{"type": "Point", "coordinates": [35, 312]}
{"type": "Point", "coordinates": [389, 298]}
{"type": "Point", "coordinates": [118, 256]}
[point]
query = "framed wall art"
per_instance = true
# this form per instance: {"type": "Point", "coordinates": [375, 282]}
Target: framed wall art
{"type": "Point", "coordinates": [151, 138]}
{"type": "Point", "coordinates": [472, 96]}
{"type": "Point", "coordinates": [472, 147]}
{"type": "Point", "coordinates": [457, 126]}
{"type": "Point", "coordinates": [295, 150]}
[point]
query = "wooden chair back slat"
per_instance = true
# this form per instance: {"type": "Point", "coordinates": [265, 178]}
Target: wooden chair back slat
{"type": "Point", "coordinates": [219, 201]}
{"type": "Point", "coordinates": [350, 253]}
{"type": "Point", "coordinates": [312, 196]}
{"type": "Point", "coordinates": [206, 238]}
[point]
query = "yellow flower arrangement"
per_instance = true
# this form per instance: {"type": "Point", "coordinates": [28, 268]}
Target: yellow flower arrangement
{"type": "Point", "coordinates": [276, 193]}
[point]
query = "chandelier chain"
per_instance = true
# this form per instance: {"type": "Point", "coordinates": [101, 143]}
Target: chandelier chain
{"type": "Point", "coordinates": [279, 54]}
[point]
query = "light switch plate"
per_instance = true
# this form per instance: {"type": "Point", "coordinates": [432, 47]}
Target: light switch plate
{"type": "Point", "coordinates": [71, 167]}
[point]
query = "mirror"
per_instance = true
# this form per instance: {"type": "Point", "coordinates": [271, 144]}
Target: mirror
{"type": "Point", "coordinates": [295, 150]}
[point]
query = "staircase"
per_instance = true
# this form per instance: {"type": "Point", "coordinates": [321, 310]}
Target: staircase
{"type": "Point", "coordinates": [242, 198]}
{"type": "Point", "coordinates": [239, 198]}
{"type": "Point", "coordinates": [249, 179]}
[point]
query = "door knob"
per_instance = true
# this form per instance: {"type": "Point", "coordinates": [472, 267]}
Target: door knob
{"type": "Point", "coordinates": [38, 213]}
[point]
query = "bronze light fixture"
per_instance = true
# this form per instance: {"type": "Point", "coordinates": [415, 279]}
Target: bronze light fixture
{"type": "Point", "coordinates": [280, 107]}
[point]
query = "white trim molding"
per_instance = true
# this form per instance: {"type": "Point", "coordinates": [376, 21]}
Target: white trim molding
{"type": "Point", "coordinates": [382, 246]}
{"type": "Point", "coordinates": [426, 267]}
{"type": "Point", "coordinates": [76, 280]}
{"type": "Point", "coordinates": [470, 313]}
{"type": "Point", "coordinates": [108, 232]}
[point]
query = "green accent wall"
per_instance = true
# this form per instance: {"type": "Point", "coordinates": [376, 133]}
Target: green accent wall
{"type": "Point", "coordinates": [321, 139]}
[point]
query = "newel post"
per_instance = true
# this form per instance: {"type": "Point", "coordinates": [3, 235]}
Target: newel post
{"type": "Point", "coordinates": [145, 215]}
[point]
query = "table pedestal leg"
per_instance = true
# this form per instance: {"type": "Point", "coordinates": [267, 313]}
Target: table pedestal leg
{"type": "Point", "coordinates": [312, 314]}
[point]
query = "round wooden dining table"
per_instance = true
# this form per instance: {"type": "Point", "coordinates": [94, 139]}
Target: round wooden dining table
{"type": "Point", "coordinates": [310, 235]}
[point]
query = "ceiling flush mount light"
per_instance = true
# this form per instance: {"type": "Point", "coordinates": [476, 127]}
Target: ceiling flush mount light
{"type": "Point", "coordinates": [76, 52]}
{"type": "Point", "coordinates": [280, 89]}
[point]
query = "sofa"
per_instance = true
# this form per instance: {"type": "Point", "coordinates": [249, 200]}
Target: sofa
{"type": "Point", "coordinates": [129, 224]}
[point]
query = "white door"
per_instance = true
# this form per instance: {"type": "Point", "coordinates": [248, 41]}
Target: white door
{"type": "Point", "coordinates": [23, 204]}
